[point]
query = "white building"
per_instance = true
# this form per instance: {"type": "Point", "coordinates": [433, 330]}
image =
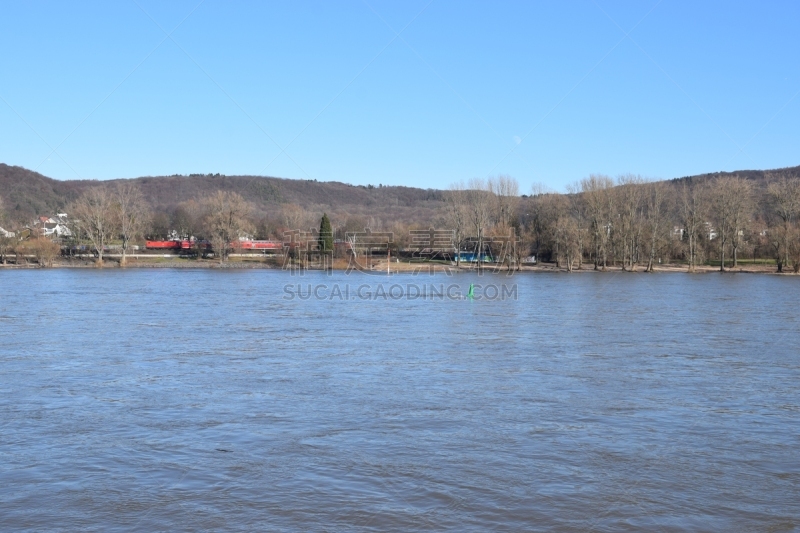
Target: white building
{"type": "Point", "coordinates": [52, 227]}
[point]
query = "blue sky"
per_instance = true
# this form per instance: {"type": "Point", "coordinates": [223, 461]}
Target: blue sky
{"type": "Point", "coordinates": [418, 93]}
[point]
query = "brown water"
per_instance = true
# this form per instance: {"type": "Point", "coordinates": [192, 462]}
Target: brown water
{"type": "Point", "coordinates": [209, 400]}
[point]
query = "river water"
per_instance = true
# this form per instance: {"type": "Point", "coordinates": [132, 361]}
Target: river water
{"type": "Point", "coordinates": [185, 400]}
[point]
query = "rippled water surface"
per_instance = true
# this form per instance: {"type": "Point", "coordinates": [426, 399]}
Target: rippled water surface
{"type": "Point", "coordinates": [210, 400]}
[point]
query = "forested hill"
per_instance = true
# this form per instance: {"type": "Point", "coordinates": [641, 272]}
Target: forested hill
{"type": "Point", "coordinates": [27, 194]}
{"type": "Point", "coordinates": [754, 175]}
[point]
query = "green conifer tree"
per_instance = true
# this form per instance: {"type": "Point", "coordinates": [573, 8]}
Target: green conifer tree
{"type": "Point", "coordinates": [325, 234]}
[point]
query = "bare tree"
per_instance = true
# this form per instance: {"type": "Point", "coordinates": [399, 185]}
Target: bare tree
{"type": "Point", "coordinates": [579, 213]}
{"type": "Point", "coordinates": [737, 195]}
{"type": "Point", "coordinates": [457, 215]}
{"type": "Point", "coordinates": [539, 189]}
{"type": "Point", "coordinates": [479, 201]}
{"type": "Point", "coordinates": [597, 193]}
{"type": "Point", "coordinates": [522, 245]}
{"type": "Point", "coordinates": [785, 196]}
{"type": "Point", "coordinates": [132, 214]}
{"type": "Point", "coordinates": [506, 195]}
{"type": "Point", "coordinates": [549, 208]}
{"type": "Point", "coordinates": [656, 227]}
{"type": "Point", "coordinates": [536, 222]}
{"type": "Point", "coordinates": [730, 201]}
{"type": "Point", "coordinates": [693, 214]}
{"type": "Point", "coordinates": [226, 219]}
{"type": "Point", "coordinates": [779, 237]}
{"type": "Point", "coordinates": [294, 216]}
{"type": "Point", "coordinates": [567, 241]}
{"type": "Point", "coordinates": [43, 249]}
{"type": "Point", "coordinates": [629, 228]}
{"type": "Point", "coordinates": [94, 215]}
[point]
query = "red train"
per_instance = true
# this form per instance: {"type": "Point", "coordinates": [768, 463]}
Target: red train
{"type": "Point", "coordinates": [258, 245]}
{"type": "Point", "coordinates": [186, 244]}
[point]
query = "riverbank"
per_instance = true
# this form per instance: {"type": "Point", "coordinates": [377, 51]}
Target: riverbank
{"type": "Point", "coordinates": [381, 266]}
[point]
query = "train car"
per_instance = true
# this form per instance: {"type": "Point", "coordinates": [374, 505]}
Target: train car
{"type": "Point", "coordinates": [176, 244]}
{"type": "Point", "coordinates": [168, 245]}
{"type": "Point", "coordinates": [257, 245]}
{"type": "Point", "coordinates": [186, 245]}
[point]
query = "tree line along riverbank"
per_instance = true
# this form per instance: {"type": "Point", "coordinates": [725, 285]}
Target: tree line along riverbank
{"type": "Point", "coordinates": [747, 221]}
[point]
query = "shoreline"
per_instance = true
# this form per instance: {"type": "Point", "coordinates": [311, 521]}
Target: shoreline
{"type": "Point", "coordinates": [396, 268]}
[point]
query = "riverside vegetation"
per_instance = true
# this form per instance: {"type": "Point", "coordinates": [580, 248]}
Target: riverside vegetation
{"type": "Point", "coordinates": [627, 223]}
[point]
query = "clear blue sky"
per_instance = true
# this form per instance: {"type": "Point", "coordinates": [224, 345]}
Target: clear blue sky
{"type": "Point", "coordinates": [547, 92]}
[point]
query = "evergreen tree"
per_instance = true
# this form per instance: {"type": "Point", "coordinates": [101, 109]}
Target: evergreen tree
{"type": "Point", "coordinates": [325, 234]}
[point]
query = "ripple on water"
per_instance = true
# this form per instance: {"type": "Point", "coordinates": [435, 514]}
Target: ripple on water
{"type": "Point", "coordinates": [130, 401]}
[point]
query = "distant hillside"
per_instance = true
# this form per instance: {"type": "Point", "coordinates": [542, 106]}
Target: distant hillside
{"type": "Point", "coordinates": [28, 194]}
{"type": "Point", "coordinates": [754, 175]}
